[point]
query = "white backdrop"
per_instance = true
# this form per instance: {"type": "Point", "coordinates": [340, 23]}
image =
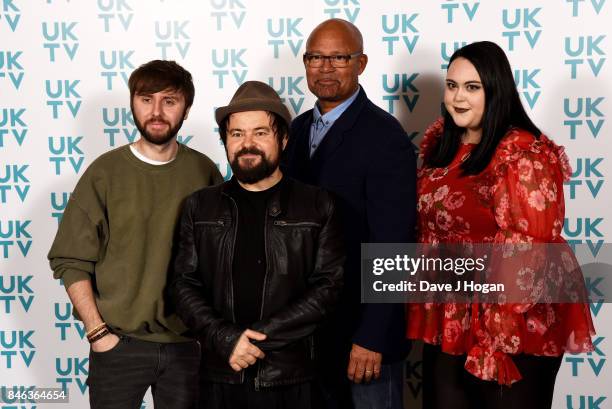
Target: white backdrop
{"type": "Point", "coordinates": [64, 100]}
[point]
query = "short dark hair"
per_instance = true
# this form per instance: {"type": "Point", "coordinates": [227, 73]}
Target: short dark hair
{"type": "Point", "coordinates": [158, 75]}
{"type": "Point", "coordinates": [503, 109]}
{"type": "Point", "coordinates": [279, 126]}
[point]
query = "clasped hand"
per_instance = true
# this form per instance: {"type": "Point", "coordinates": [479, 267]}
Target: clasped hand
{"type": "Point", "coordinates": [245, 353]}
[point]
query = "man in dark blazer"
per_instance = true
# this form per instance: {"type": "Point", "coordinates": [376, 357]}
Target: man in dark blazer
{"type": "Point", "coordinates": [351, 147]}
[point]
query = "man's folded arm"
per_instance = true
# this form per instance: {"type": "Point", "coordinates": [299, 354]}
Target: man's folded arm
{"type": "Point", "coordinates": [300, 318]}
{"type": "Point", "coordinates": [186, 291]}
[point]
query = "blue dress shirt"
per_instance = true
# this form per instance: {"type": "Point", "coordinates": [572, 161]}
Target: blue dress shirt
{"type": "Point", "coordinates": [321, 123]}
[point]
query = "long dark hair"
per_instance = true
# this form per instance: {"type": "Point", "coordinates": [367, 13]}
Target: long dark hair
{"type": "Point", "coordinates": [503, 110]}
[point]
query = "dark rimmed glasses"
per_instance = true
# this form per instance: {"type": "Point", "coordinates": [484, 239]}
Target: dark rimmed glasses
{"type": "Point", "coordinates": [336, 61]}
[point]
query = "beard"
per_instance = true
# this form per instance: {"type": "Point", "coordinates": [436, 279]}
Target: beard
{"type": "Point", "coordinates": [253, 173]}
{"type": "Point", "coordinates": [329, 92]}
{"type": "Point", "coordinates": [158, 139]}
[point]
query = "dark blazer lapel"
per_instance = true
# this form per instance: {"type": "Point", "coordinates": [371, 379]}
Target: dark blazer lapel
{"type": "Point", "coordinates": [334, 137]}
{"type": "Point", "coordinates": [302, 134]}
{"type": "Point", "coordinates": [299, 146]}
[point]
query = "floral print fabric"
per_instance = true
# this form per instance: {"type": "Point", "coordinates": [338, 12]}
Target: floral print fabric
{"type": "Point", "coordinates": [518, 198]}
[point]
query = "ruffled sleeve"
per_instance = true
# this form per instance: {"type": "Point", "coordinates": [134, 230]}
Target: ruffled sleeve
{"type": "Point", "coordinates": [431, 137]}
{"type": "Point", "coordinates": [528, 193]}
{"type": "Point", "coordinates": [528, 207]}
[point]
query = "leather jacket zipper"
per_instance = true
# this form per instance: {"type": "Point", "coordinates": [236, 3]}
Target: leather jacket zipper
{"type": "Point", "coordinates": [231, 263]}
{"type": "Point", "coordinates": [212, 223]}
{"type": "Point", "coordinates": [231, 259]}
{"type": "Point", "coordinates": [257, 379]}
{"type": "Point", "coordinates": [263, 293]}
{"type": "Point", "coordinates": [296, 224]}
{"type": "Point", "coordinates": [312, 347]}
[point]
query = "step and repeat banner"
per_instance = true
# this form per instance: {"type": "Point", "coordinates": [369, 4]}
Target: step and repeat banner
{"type": "Point", "coordinates": [64, 100]}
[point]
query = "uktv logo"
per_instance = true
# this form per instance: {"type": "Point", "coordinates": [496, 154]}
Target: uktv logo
{"type": "Point", "coordinates": [17, 348]}
{"type": "Point", "coordinates": [587, 180]}
{"type": "Point", "coordinates": [66, 154]}
{"type": "Point", "coordinates": [593, 362]}
{"type": "Point", "coordinates": [15, 397]}
{"type": "Point", "coordinates": [59, 201]}
{"type": "Point", "coordinates": [462, 8]}
{"type": "Point", "coordinates": [65, 322]}
{"type": "Point", "coordinates": [585, 230]}
{"type": "Point", "coordinates": [10, 13]}
{"type": "Point", "coordinates": [585, 50]}
{"type": "Point", "coordinates": [344, 9]}
{"type": "Point", "coordinates": [172, 36]}
{"type": "Point", "coordinates": [14, 183]}
{"type": "Point", "coordinates": [583, 117]}
{"type": "Point", "coordinates": [115, 13]}
{"type": "Point", "coordinates": [116, 64]}
{"type": "Point", "coordinates": [527, 85]}
{"type": "Point", "coordinates": [60, 39]}
{"type": "Point", "coordinates": [585, 402]}
{"type": "Point", "coordinates": [290, 89]}
{"type": "Point", "coordinates": [15, 293]}
{"type": "Point", "coordinates": [579, 5]}
{"type": "Point", "coordinates": [521, 23]}
{"type": "Point", "coordinates": [11, 68]}
{"type": "Point", "coordinates": [72, 370]}
{"type": "Point", "coordinates": [231, 11]}
{"type": "Point", "coordinates": [63, 94]}
{"type": "Point", "coordinates": [400, 87]}
{"type": "Point", "coordinates": [119, 126]}
{"type": "Point", "coordinates": [400, 30]}
{"type": "Point", "coordinates": [284, 32]}
{"type": "Point", "coordinates": [15, 235]}
{"type": "Point", "coordinates": [229, 61]}
{"type": "Point", "coordinates": [12, 126]}
{"type": "Point", "coordinates": [447, 49]}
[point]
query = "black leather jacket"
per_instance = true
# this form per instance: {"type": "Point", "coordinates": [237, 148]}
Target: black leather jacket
{"type": "Point", "coordinates": [304, 255]}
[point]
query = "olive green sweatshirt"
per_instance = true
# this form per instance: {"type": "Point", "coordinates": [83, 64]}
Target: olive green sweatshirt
{"type": "Point", "coordinates": [117, 231]}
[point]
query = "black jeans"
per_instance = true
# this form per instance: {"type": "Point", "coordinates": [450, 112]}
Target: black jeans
{"type": "Point", "coordinates": [446, 383]}
{"type": "Point", "coordinates": [119, 378]}
{"type": "Point", "coordinates": [215, 395]}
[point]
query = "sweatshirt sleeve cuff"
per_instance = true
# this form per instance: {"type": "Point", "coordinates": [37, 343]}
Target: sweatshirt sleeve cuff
{"type": "Point", "coordinates": [72, 276]}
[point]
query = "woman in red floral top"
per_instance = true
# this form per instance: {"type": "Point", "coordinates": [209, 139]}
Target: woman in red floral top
{"type": "Point", "coordinates": [490, 176]}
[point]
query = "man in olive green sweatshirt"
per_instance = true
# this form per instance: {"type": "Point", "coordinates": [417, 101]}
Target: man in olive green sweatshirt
{"type": "Point", "coordinates": [114, 245]}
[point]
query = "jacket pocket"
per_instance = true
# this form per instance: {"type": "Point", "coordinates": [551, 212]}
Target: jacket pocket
{"type": "Point", "coordinates": [294, 245]}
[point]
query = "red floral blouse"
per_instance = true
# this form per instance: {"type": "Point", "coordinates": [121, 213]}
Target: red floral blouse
{"type": "Point", "coordinates": [517, 198]}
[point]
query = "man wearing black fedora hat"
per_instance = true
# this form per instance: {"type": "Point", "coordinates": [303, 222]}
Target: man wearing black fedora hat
{"type": "Point", "coordinates": [259, 264]}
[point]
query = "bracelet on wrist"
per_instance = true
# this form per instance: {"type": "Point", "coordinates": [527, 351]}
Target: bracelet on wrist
{"type": "Point", "coordinates": [96, 329]}
{"type": "Point", "coordinates": [98, 335]}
